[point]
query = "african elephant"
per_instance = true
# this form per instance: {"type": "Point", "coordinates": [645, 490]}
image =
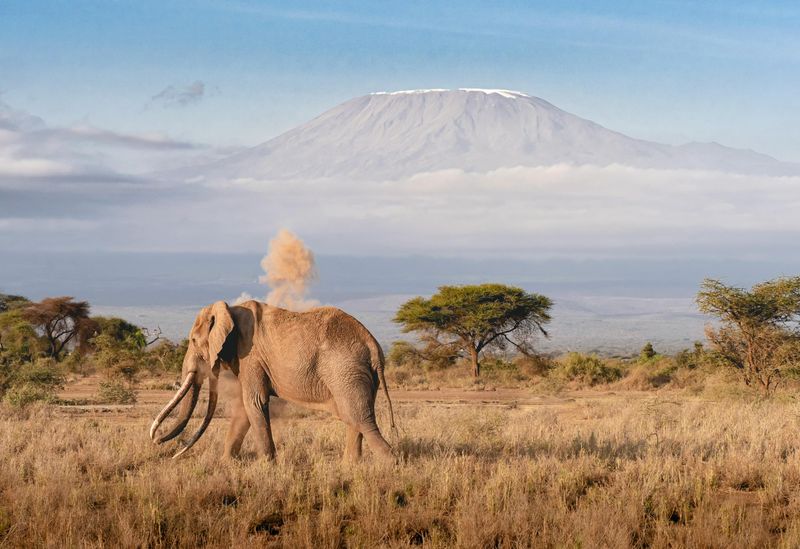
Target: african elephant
{"type": "Point", "coordinates": [322, 359]}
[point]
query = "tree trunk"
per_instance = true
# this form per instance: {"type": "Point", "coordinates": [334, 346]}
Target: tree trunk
{"type": "Point", "coordinates": [476, 367]}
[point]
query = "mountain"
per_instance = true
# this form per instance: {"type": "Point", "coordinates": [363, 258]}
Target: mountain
{"type": "Point", "coordinates": [389, 135]}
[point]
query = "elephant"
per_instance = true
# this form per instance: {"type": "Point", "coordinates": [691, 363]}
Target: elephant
{"type": "Point", "coordinates": [322, 359]}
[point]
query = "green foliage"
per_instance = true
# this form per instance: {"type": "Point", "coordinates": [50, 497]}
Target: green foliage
{"type": "Point", "coordinates": [19, 341]}
{"type": "Point", "coordinates": [166, 356]}
{"type": "Point", "coordinates": [34, 382]}
{"type": "Point", "coordinates": [10, 302]}
{"type": "Point", "coordinates": [772, 303]}
{"type": "Point", "coordinates": [647, 352]}
{"type": "Point", "coordinates": [116, 391]}
{"type": "Point", "coordinates": [22, 395]}
{"type": "Point", "coordinates": [472, 318]}
{"type": "Point", "coordinates": [691, 358]}
{"type": "Point", "coordinates": [587, 369]}
{"type": "Point", "coordinates": [62, 322]}
{"type": "Point", "coordinates": [119, 330]}
{"type": "Point", "coordinates": [759, 334]}
{"type": "Point", "coordinates": [402, 353]}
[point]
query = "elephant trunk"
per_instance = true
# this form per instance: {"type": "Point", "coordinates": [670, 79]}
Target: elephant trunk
{"type": "Point", "coordinates": [187, 407]}
{"type": "Point", "coordinates": [212, 406]}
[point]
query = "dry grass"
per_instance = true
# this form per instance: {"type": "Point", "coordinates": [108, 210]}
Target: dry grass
{"type": "Point", "coordinates": [597, 472]}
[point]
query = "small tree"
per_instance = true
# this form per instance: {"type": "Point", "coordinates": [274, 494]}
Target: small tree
{"type": "Point", "coordinates": [119, 331]}
{"type": "Point", "coordinates": [468, 319]}
{"type": "Point", "coordinates": [61, 321]}
{"type": "Point", "coordinates": [19, 341]}
{"type": "Point", "coordinates": [10, 302]}
{"type": "Point", "coordinates": [759, 334]}
{"type": "Point", "coordinates": [647, 352]}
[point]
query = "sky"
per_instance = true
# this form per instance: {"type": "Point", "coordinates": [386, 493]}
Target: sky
{"type": "Point", "coordinates": [235, 73]}
{"type": "Point", "coordinates": [98, 96]}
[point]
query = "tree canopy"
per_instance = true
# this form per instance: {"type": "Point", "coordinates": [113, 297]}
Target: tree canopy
{"type": "Point", "coordinates": [10, 302]}
{"type": "Point", "coordinates": [61, 321]}
{"type": "Point", "coordinates": [119, 330]}
{"type": "Point", "coordinates": [474, 317]}
{"type": "Point", "coordinates": [759, 333]}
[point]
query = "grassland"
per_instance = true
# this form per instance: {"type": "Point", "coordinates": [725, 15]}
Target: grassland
{"type": "Point", "coordinates": [484, 469]}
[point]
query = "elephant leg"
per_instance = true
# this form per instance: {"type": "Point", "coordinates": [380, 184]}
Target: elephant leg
{"type": "Point", "coordinates": [352, 450]}
{"type": "Point", "coordinates": [240, 424]}
{"type": "Point", "coordinates": [255, 394]}
{"type": "Point", "coordinates": [355, 405]}
{"type": "Point", "coordinates": [376, 441]}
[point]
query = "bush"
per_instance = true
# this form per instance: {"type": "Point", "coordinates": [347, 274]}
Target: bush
{"type": "Point", "coordinates": [691, 358]}
{"type": "Point", "coordinates": [34, 382]}
{"type": "Point", "coordinates": [493, 364]}
{"type": "Point", "coordinates": [430, 356]}
{"type": "Point", "coordinates": [587, 369]}
{"type": "Point", "coordinates": [403, 353]}
{"type": "Point", "coordinates": [20, 396]}
{"type": "Point", "coordinates": [647, 352]}
{"type": "Point", "coordinates": [116, 391]}
{"type": "Point", "coordinates": [166, 356]}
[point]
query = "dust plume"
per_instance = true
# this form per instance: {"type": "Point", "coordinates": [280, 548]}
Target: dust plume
{"type": "Point", "coordinates": [290, 270]}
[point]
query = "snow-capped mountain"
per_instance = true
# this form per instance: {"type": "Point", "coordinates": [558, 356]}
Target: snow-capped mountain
{"type": "Point", "coordinates": [389, 135]}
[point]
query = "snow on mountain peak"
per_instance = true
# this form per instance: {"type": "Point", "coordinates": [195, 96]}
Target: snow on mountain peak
{"type": "Point", "coordinates": [505, 93]}
{"type": "Point", "coordinates": [389, 135]}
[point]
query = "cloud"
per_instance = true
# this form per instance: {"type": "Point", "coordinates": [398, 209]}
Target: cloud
{"type": "Point", "coordinates": [557, 211]}
{"type": "Point", "coordinates": [93, 135]}
{"type": "Point", "coordinates": [561, 210]}
{"type": "Point", "coordinates": [81, 173]}
{"type": "Point", "coordinates": [179, 96]}
{"type": "Point", "coordinates": [94, 188]}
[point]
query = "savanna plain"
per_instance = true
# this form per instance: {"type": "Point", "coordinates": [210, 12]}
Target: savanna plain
{"type": "Point", "coordinates": [694, 462]}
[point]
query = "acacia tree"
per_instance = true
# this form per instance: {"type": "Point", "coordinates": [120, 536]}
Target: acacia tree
{"type": "Point", "coordinates": [759, 333]}
{"type": "Point", "coordinates": [469, 319]}
{"type": "Point", "coordinates": [60, 320]}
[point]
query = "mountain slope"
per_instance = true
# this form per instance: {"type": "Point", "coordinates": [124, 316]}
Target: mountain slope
{"type": "Point", "coordinates": [391, 135]}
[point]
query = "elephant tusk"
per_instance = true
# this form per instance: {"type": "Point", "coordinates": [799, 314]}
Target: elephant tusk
{"type": "Point", "coordinates": [187, 384]}
{"type": "Point", "coordinates": [212, 406]}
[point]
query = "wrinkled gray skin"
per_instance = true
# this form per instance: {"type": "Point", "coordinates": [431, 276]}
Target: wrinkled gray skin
{"type": "Point", "coordinates": [322, 359]}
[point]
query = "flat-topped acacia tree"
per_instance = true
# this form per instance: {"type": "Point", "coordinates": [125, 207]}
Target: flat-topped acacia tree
{"type": "Point", "coordinates": [759, 330]}
{"type": "Point", "coordinates": [469, 319]}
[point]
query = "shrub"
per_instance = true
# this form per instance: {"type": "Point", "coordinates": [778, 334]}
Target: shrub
{"type": "Point", "coordinates": [492, 364]}
{"type": "Point", "coordinates": [647, 352]}
{"type": "Point", "coordinates": [20, 396]}
{"type": "Point", "coordinates": [587, 369]}
{"type": "Point", "coordinates": [403, 353]}
{"type": "Point", "coordinates": [166, 356]}
{"type": "Point", "coordinates": [692, 358]}
{"type": "Point", "coordinates": [34, 382]}
{"type": "Point", "coordinates": [116, 391]}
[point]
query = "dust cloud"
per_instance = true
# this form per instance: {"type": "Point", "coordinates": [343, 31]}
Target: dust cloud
{"type": "Point", "coordinates": [289, 271]}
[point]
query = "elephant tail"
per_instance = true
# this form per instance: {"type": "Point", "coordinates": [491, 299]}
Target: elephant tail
{"type": "Point", "coordinates": [378, 363]}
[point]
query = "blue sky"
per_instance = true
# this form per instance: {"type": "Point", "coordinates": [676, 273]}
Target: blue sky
{"type": "Point", "coordinates": [671, 71]}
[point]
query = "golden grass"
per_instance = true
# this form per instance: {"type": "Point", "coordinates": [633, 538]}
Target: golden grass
{"type": "Point", "coordinates": [660, 471]}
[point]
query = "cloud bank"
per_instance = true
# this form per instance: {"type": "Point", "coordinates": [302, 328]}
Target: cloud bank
{"type": "Point", "coordinates": [74, 188]}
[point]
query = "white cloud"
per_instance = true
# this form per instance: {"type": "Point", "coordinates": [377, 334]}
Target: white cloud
{"type": "Point", "coordinates": [563, 211]}
{"type": "Point", "coordinates": [559, 209]}
{"type": "Point", "coordinates": [31, 167]}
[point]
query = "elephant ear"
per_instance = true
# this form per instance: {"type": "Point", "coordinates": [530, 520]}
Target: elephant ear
{"type": "Point", "coordinates": [221, 325]}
